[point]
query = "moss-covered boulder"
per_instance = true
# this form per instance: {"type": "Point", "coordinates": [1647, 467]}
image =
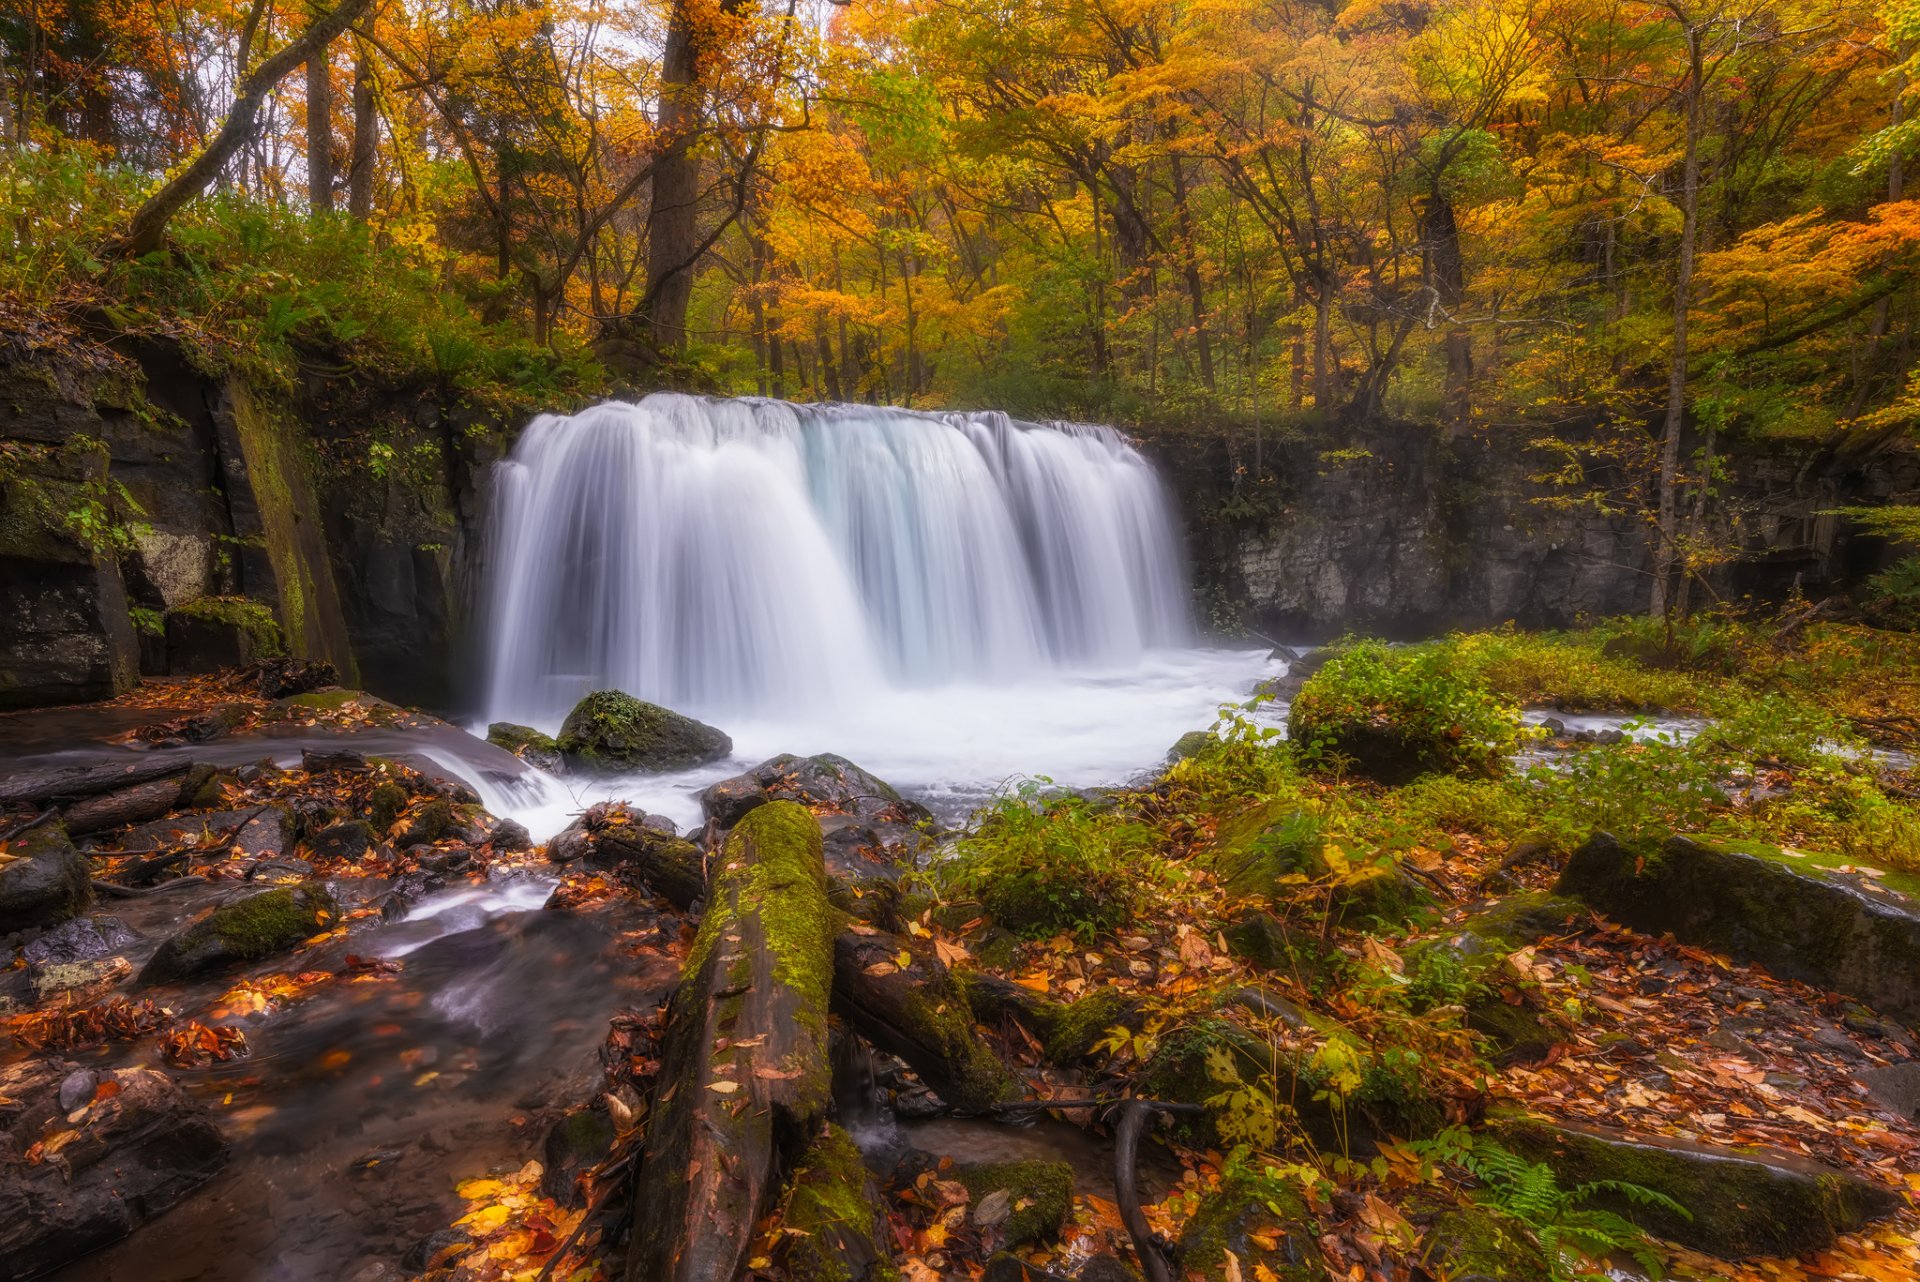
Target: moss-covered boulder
{"type": "Point", "coordinates": [1742, 1203]}
{"type": "Point", "coordinates": [1273, 852]}
{"type": "Point", "coordinates": [384, 805]}
{"type": "Point", "coordinates": [429, 824]}
{"type": "Point", "coordinates": [1271, 942]}
{"type": "Point", "coordinates": [1228, 1236]}
{"type": "Point", "coordinates": [221, 632]}
{"type": "Point", "coordinates": [348, 839]}
{"type": "Point", "coordinates": [1799, 924]}
{"type": "Point", "coordinates": [612, 731]}
{"type": "Point", "coordinates": [43, 881]}
{"type": "Point", "coordinates": [1395, 714]}
{"type": "Point", "coordinates": [835, 1227]}
{"type": "Point", "coordinates": [530, 745]}
{"type": "Point", "coordinates": [1021, 1202]}
{"type": "Point", "coordinates": [245, 930]}
{"type": "Point", "coordinates": [577, 1142]}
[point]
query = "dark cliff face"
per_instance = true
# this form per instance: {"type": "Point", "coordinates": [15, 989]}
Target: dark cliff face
{"type": "Point", "coordinates": [347, 506]}
{"type": "Point", "coordinates": [1400, 530]}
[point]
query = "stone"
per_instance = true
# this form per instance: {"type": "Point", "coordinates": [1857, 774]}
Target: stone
{"type": "Point", "coordinates": [348, 839]}
{"type": "Point", "coordinates": [134, 1153]}
{"type": "Point", "coordinates": [867, 827]}
{"type": "Point", "coordinates": [1894, 1087]}
{"type": "Point", "coordinates": [45, 882]}
{"type": "Point", "coordinates": [612, 731]}
{"type": "Point", "coordinates": [79, 940]}
{"type": "Point", "coordinates": [285, 678]}
{"type": "Point", "coordinates": [280, 872]}
{"type": "Point", "coordinates": [1743, 1203]}
{"type": "Point", "coordinates": [1039, 1195]}
{"type": "Point", "coordinates": [510, 835]}
{"type": "Point", "coordinates": [1799, 924]}
{"type": "Point", "coordinates": [267, 833]}
{"type": "Point", "coordinates": [247, 929]}
{"type": "Point", "coordinates": [1225, 1237]}
{"type": "Point", "coordinates": [81, 977]}
{"type": "Point", "coordinates": [428, 825]}
{"type": "Point", "coordinates": [530, 745]}
{"type": "Point", "coordinates": [215, 633]}
{"type": "Point", "coordinates": [578, 1141]}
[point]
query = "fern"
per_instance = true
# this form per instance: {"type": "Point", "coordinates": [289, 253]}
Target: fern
{"type": "Point", "coordinates": [1576, 1237]}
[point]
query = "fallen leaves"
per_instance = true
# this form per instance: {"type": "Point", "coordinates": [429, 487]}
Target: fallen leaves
{"type": "Point", "coordinates": [196, 1045]}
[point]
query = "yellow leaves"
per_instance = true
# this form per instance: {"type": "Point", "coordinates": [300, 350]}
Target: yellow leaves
{"type": "Point", "coordinates": [486, 1219]}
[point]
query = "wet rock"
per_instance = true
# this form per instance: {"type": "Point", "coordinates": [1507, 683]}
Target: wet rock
{"type": "Point", "coordinates": [348, 839]}
{"type": "Point", "coordinates": [244, 930]}
{"type": "Point", "coordinates": [1037, 1196]}
{"type": "Point", "coordinates": [1894, 1087]}
{"type": "Point", "coordinates": [320, 760]}
{"type": "Point", "coordinates": [1743, 1203]}
{"type": "Point", "coordinates": [428, 825]}
{"type": "Point", "coordinates": [213, 633]}
{"type": "Point", "coordinates": [46, 882]}
{"type": "Point", "coordinates": [1005, 1266]}
{"type": "Point", "coordinates": [1283, 688]}
{"type": "Point", "coordinates": [1798, 924]}
{"type": "Point", "coordinates": [285, 678]}
{"type": "Point", "coordinates": [530, 745]}
{"type": "Point", "coordinates": [384, 805]}
{"type": "Point", "coordinates": [280, 872]}
{"type": "Point", "coordinates": [80, 979]}
{"type": "Point", "coordinates": [77, 1089]}
{"type": "Point", "coordinates": [269, 832]}
{"type": "Point", "coordinates": [612, 731]}
{"type": "Point", "coordinates": [1227, 1234]}
{"type": "Point", "coordinates": [578, 1141]}
{"type": "Point", "coordinates": [617, 839]}
{"type": "Point", "coordinates": [79, 940]}
{"type": "Point", "coordinates": [434, 1249]}
{"type": "Point", "coordinates": [139, 803]}
{"type": "Point", "coordinates": [1107, 1268]}
{"type": "Point", "coordinates": [133, 1153]}
{"type": "Point", "coordinates": [510, 835]}
{"type": "Point", "coordinates": [825, 782]}
{"type": "Point", "coordinates": [407, 890]}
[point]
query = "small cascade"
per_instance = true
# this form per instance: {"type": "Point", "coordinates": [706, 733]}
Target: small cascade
{"type": "Point", "coordinates": [722, 556]}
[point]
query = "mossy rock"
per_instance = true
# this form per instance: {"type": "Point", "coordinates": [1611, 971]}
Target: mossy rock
{"type": "Point", "coordinates": [429, 824]}
{"type": "Point", "coordinates": [1271, 851]}
{"type": "Point", "coordinates": [212, 633]}
{"type": "Point", "coordinates": [1236, 1218]}
{"type": "Point", "coordinates": [243, 931]}
{"type": "Point", "coordinates": [836, 1230]}
{"type": "Point", "coordinates": [1083, 1023]}
{"type": "Point", "coordinates": [47, 882]}
{"type": "Point", "coordinates": [384, 805]}
{"type": "Point", "coordinates": [1744, 1203]}
{"type": "Point", "coordinates": [1801, 925]}
{"type": "Point", "coordinates": [579, 1141]}
{"type": "Point", "coordinates": [612, 731]}
{"type": "Point", "coordinates": [1268, 941]}
{"type": "Point", "coordinates": [1468, 1240]}
{"type": "Point", "coordinates": [348, 839]}
{"type": "Point", "coordinates": [1190, 745]}
{"type": "Point", "coordinates": [1514, 1035]}
{"type": "Point", "coordinates": [530, 745]}
{"type": "Point", "coordinates": [1039, 1195]}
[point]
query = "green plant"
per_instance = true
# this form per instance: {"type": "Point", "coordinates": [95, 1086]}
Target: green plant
{"type": "Point", "coordinates": [1636, 788]}
{"type": "Point", "coordinates": [1041, 863]}
{"type": "Point", "coordinates": [1399, 713]}
{"type": "Point", "coordinates": [1578, 1238]}
{"type": "Point", "coordinates": [1238, 758]}
{"type": "Point", "coordinates": [1891, 598]}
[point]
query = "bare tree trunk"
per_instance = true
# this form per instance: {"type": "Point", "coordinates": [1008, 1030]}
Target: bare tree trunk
{"type": "Point", "coordinates": [1666, 548]}
{"type": "Point", "coordinates": [1190, 271]}
{"type": "Point", "coordinates": [366, 138]}
{"type": "Point", "coordinates": [149, 222]}
{"type": "Point", "coordinates": [320, 132]}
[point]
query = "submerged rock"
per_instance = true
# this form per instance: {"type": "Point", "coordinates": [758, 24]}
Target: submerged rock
{"type": "Point", "coordinates": [1799, 925]}
{"type": "Point", "coordinates": [46, 882]}
{"type": "Point", "coordinates": [113, 1160]}
{"type": "Point", "coordinates": [1742, 1203]}
{"type": "Point", "coordinates": [612, 731]}
{"type": "Point", "coordinates": [244, 930]}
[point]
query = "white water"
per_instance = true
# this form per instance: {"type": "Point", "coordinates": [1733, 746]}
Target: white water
{"type": "Point", "coordinates": [951, 600]}
{"type": "Point", "coordinates": [755, 557]}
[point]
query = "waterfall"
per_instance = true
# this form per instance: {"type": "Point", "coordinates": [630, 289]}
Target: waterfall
{"type": "Point", "coordinates": [732, 555]}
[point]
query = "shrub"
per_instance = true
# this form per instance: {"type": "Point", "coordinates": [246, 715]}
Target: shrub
{"type": "Point", "coordinates": [1397, 714]}
{"type": "Point", "coordinates": [1637, 788]}
{"type": "Point", "coordinates": [1042, 865]}
{"type": "Point", "coordinates": [1586, 671]}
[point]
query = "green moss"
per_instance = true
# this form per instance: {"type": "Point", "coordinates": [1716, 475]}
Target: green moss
{"type": "Point", "coordinates": [253, 619]}
{"type": "Point", "coordinates": [941, 1016]}
{"type": "Point", "coordinates": [324, 700]}
{"type": "Point", "coordinates": [384, 805]}
{"type": "Point", "coordinates": [1079, 1026]}
{"type": "Point", "coordinates": [1039, 1194]}
{"type": "Point", "coordinates": [1470, 1240]}
{"type": "Point", "coordinates": [834, 1232]}
{"type": "Point", "coordinates": [773, 868]}
{"type": "Point", "coordinates": [1229, 1217]}
{"type": "Point", "coordinates": [612, 730]}
{"type": "Point", "coordinates": [429, 824]}
{"type": "Point", "coordinates": [263, 924]}
{"type": "Point", "coordinates": [516, 738]}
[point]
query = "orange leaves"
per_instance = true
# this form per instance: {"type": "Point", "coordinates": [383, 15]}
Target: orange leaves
{"type": "Point", "coordinates": [116, 1020]}
{"type": "Point", "coordinates": [195, 1045]}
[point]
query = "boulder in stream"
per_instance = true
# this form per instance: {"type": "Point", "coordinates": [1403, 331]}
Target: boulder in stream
{"type": "Point", "coordinates": [244, 930]}
{"type": "Point", "coordinates": [44, 881]}
{"type": "Point", "coordinates": [530, 745]}
{"type": "Point", "coordinates": [609, 731]}
{"type": "Point", "coordinates": [866, 825]}
{"type": "Point", "coordinates": [73, 1179]}
{"type": "Point", "coordinates": [1785, 914]}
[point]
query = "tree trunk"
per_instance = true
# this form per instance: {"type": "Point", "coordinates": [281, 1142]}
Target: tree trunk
{"type": "Point", "coordinates": [366, 138]}
{"type": "Point", "coordinates": [745, 1072]}
{"type": "Point", "coordinates": [41, 786]}
{"type": "Point", "coordinates": [672, 229]}
{"type": "Point", "coordinates": [137, 804]}
{"type": "Point", "coordinates": [149, 222]}
{"type": "Point", "coordinates": [1190, 271]}
{"type": "Point", "coordinates": [1667, 520]}
{"type": "Point", "coordinates": [919, 1013]}
{"type": "Point", "coordinates": [320, 132]}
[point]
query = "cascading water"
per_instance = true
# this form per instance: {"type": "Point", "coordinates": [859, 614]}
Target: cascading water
{"type": "Point", "coordinates": [752, 556]}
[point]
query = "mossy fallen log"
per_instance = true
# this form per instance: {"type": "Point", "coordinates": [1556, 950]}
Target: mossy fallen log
{"type": "Point", "coordinates": [835, 1220]}
{"type": "Point", "coordinates": [745, 1072]}
{"type": "Point", "coordinates": [900, 997]}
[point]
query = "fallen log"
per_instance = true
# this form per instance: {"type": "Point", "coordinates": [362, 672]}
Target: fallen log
{"type": "Point", "coordinates": [744, 1078]}
{"type": "Point", "coordinates": [899, 996]}
{"type": "Point", "coordinates": [40, 786]}
{"type": "Point", "coordinates": [143, 801]}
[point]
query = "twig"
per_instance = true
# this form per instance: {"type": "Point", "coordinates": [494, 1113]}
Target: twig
{"type": "Point", "coordinates": [594, 1207]}
{"type": "Point", "coordinates": [115, 889]}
